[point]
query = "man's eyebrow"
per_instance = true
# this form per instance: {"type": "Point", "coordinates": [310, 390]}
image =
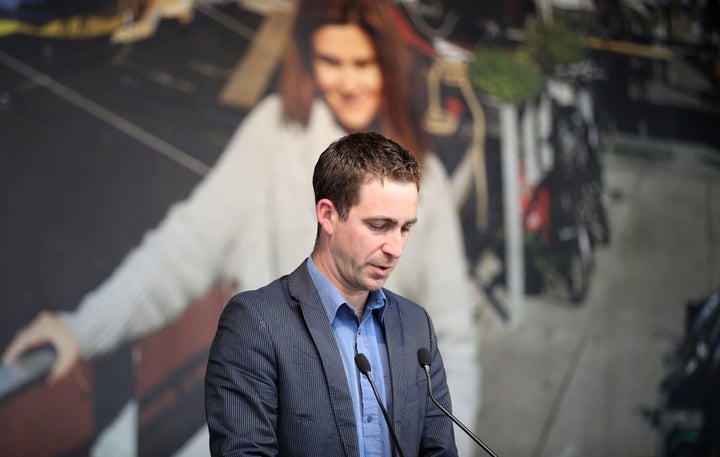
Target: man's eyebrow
{"type": "Point", "coordinates": [380, 219]}
{"type": "Point", "coordinates": [388, 219]}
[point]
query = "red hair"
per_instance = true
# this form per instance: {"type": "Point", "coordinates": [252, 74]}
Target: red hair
{"type": "Point", "coordinates": [399, 118]}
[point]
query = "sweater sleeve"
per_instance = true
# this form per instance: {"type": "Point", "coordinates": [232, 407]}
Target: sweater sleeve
{"type": "Point", "coordinates": [433, 272]}
{"type": "Point", "coordinates": [179, 260]}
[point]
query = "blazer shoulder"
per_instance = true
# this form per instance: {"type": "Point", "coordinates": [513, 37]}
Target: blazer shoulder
{"type": "Point", "coordinates": [279, 293]}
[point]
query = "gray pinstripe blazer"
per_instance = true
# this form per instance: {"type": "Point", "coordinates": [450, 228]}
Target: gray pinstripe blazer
{"type": "Point", "coordinates": [275, 383]}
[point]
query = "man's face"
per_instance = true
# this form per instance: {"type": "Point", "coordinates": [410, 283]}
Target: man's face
{"type": "Point", "coordinates": [366, 247]}
{"type": "Point", "coordinates": [348, 75]}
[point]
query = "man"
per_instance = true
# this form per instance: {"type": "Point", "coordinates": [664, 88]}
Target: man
{"type": "Point", "coordinates": [281, 376]}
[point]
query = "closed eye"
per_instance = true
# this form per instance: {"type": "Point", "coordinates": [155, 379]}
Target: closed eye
{"type": "Point", "coordinates": [387, 224]}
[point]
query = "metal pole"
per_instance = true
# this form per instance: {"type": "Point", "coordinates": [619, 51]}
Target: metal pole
{"type": "Point", "coordinates": [514, 258]}
{"type": "Point", "coordinates": [530, 155]}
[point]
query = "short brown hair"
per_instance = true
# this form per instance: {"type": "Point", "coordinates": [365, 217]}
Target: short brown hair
{"type": "Point", "coordinates": [355, 159]}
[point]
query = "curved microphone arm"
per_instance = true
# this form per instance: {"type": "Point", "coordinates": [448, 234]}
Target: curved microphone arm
{"type": "Point", "coordinates": [363, 365]}
{"type": "Point", "coordinates": [424, 360]}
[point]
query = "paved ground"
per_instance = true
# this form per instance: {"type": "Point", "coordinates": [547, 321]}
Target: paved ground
{"type": "Point", "coordinates": [570, 381]}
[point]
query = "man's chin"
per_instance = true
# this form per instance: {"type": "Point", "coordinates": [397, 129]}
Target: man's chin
{"type": "Point", "coordinates": [376, 284]}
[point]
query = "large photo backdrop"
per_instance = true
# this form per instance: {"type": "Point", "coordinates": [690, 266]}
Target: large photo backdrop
{"type": "Point", "coordinates": [157, 158]}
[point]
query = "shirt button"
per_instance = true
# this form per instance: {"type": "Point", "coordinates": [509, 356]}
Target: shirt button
{"type": "Point", "coordinates": [369, 419]}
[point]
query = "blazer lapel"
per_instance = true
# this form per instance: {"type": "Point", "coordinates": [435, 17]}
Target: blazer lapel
{"type": "Point", "coordinates": [302, 289]}
{"type": "Point", "coordinates": [398, 359]}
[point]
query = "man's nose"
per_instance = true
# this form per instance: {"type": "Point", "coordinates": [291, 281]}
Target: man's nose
{"type": "Point", "coordinates": [394, 244]}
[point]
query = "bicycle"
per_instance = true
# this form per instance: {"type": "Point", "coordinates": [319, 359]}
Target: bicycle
{"type": "Point", "coordinates": [569, 194]}
{"type": "Point", "coordinates": [686, 417]}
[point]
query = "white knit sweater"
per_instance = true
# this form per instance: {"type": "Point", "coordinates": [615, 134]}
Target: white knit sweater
{"type": "Point", "coordinates": [252, 219]}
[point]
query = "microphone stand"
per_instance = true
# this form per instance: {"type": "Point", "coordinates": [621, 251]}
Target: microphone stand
{"type": "Point", "coordinates": [363, 365]}
{"type": "Point", "coordinates": [424, 360]}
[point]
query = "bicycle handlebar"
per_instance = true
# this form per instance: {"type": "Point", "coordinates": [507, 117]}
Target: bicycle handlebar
{"type": "Point", "coordinates": [32, 367]}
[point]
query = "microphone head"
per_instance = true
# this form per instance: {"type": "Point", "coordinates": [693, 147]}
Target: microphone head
{"type": "Point", "coordinates": [424, 358]}
{"type": "Point", "coordinates": [362, 363]}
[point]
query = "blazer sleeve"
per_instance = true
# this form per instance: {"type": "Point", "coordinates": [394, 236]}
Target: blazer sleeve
{"type": "Point", "coordinates": [241, 398]}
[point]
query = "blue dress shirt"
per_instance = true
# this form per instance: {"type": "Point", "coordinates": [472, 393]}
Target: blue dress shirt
{"type": "Point", "coordinates": [354, 336]}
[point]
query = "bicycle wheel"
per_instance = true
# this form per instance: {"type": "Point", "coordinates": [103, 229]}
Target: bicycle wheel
{"type": "Point", "coordinates": [578, 264]}
{"type": "Point", "coordinates": [596, 216]}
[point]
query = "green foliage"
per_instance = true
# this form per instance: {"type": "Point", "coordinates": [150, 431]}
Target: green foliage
{"type": "Point", "coordinates": [508, 77]}
{"type": "Point", "coordinates": [554, 44]}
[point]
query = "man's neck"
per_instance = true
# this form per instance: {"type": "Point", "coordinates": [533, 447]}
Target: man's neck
{"type": "Point", "coordinates": [356, 299]}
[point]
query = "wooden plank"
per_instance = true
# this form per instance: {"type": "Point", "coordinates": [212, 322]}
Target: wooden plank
{"type": "Point", "coordinates": [249, 80]}
{"type": "Point", "coordinates": [628, 48]}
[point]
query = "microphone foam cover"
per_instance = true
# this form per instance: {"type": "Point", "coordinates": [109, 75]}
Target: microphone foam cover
{"type": "Point", "coordinates": [362, 363]}
{"type": "Point", "coordinates": [423, 356]}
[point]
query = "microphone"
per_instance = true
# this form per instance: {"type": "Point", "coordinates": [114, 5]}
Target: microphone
{"type": "Point", "coordinates": [363, 365]}
{"type": "Point", "coordinates": [424, 359]}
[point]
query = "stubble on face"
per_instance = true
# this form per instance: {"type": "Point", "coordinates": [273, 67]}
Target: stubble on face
{"type": "Point", "coordinates": [368, 244]}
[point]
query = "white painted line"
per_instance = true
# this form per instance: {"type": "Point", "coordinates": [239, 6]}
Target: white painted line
{"type": "Point", "coordinates": [157, 144]}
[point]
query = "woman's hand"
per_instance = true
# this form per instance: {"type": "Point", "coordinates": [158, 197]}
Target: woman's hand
{"type": "Point", "coordinates": [46, 328]}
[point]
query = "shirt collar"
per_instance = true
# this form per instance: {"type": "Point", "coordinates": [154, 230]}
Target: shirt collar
{"type": "Point", "coordinates": [332, 300]}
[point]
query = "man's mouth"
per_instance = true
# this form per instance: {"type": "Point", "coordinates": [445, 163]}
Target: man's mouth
{"type": "Point", "coordinates": [383, 270]}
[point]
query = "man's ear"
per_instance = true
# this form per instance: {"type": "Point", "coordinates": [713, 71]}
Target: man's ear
{"type": "Point", "coordinates": [326, 215]}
